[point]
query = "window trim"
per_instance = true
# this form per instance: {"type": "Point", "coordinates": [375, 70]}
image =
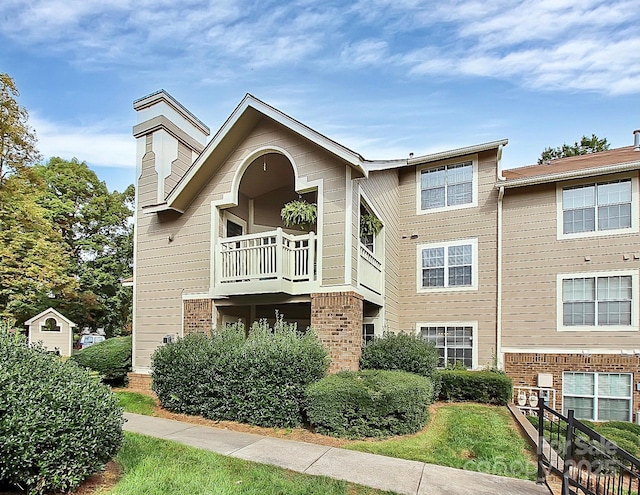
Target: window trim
{"type": "Point", "coordinates": [635, 194]}
{"type": "Point", "coordinates": [57, 326]}
{"type": "Point", "coordinates": [228, 216]}
{"type": "Point", "coordinates": [596, 397]}
{"type": "Point", "coordinates": [474, 335]}
{"type": "Point", "coordinates": [474, 265]}
{"type": "Point", "coordinates": [453, 161]}
{"type": "Point", "coordinates": [560, 327]}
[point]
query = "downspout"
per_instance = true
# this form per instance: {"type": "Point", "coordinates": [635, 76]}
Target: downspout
{"type": "Point", "coordinates": [499, 356]}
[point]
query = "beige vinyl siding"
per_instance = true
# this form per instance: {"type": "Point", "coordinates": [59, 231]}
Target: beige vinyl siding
{"type": "Point", "coordinates": [147, 187]}
{"type": "Point", "coordinates": [533, 257]}
{"type": "Point", "coordinates": [267, 213]}
{"type": "Point", "coordinates": [381, 189]}
{"type": "Point", "coordinates": [461, 224]}
{"type": "Point", "coordinates": [167, 271]}
{"type": "Point", "coordinates": [178, 167]}
{"type": "Point", "coordinates": [242, 210]}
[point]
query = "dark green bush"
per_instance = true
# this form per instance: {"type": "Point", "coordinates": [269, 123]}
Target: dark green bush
{"type": "Point", "coordinates": [369, 403]}
{"type": "Point", "coordinates": [258, 380]}
{"type": "Point", "coordinates": [57, 425]}
{"type": "Point", "coordinates": [111, 358]}
{"type": "Point", "coordinates": [487, 387]}
{"type": "Point", "coordinates": [402, 352]}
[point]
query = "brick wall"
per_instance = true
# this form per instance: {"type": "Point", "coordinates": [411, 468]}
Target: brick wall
{"type": "Point", "coordinates": [523, 369]}
{"type": "Point", "coordinates": [139, 382]}
{"type": "Point", "coordinates": [337, 319]}
{"type": "Point", "coordinates": [198, 316]}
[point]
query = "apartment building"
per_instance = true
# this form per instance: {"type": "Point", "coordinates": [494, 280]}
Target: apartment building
{"type": "Point", "coordinates": [466, 255]}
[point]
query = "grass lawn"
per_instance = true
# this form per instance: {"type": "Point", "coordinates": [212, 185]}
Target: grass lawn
{"type": "Point", "coordinates": [136, 403]}
{"type": "Point", "coordinates": [475, 437]}
{"type": "Point", "coordinates": [159, 467]}
{"type": "Point", "coordinates": [467, 436]}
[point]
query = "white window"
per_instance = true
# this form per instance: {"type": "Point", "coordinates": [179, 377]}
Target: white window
{"type": "Point", "coordinates": [454, 341]}
{"type": "Point", "coordinates": [601, 208]}
{"type": "Point", "coordinates": [450, 266]}
{"type": "Point", "coordinates": [368, 332]}
{"type": "Point", "coordinates": [603, 301]}
{"type": "Point", "coordinates": [450, 185]}
{"type": "Point", "coordinates": [597, 396]}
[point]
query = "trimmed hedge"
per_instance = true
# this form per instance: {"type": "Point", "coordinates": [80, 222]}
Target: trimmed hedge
{"type": "Point", "coordinates": [259, 380]}
{"type": "Point", "coordinates": [57, 425]}
{"type": "Point", "coordinates": [489, 387]}
{"type": "Point", "coordinates": [402, 352]}
{"type": "Point", "coordinates": [369, 403]}
{"type": "Point", "coordinates": [111, 358]}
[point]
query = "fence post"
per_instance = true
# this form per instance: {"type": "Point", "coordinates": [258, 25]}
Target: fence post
{"type": "Point", "coordinates": [568, 453]}
{"type": "Point", "coordinates": [541, 476]}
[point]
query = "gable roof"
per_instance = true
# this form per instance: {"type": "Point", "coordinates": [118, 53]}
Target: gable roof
{"type": "Point", "coordinates": [243, 118]}
{"type": "Point", "coordinates": [52, 312]}
{"type": "Point", "coordinates": [590, 165]}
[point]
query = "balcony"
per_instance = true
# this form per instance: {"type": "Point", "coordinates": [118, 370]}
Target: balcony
{"type": "Point", "coordinates": [370, 271]}
{"type": "Point", "coordinates": [267, 262]}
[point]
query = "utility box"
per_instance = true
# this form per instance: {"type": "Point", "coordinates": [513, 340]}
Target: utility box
{"type": "Point", "coordinates": [545, 380]}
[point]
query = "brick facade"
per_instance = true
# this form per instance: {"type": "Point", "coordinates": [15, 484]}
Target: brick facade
{"type": "Point", "coordinates": [198, 316]}
{"type": "Point", "coordinates": [139, 382]}
{"type": "Point", "coordinates": [523, 369]}
{"type": "Point", "coordinates": [337, 319]}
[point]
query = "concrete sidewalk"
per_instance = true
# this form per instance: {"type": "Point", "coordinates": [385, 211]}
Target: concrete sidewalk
{"type": "Point", "coordinates": [385, 473]}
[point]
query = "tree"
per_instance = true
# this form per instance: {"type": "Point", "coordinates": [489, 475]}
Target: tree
{"type": "Point", "coordinates": [584, 147]}
{"type": "Point", "coordinates": [17, 139]}
{"type": "Point", "coordinates": [36, 268]}
{"type": "Point", "coordinates": [96, 228]}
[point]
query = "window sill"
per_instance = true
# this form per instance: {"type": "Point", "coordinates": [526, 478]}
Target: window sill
{"type": "Point", "coordinates": [601, 328]}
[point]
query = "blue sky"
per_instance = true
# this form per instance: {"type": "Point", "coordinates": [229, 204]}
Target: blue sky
{"type": "Point", "coordinates": [383, 77]}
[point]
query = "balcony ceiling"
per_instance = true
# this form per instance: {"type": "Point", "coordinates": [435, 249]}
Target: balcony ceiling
{"type": "Point", "coordinates": [257, 182]}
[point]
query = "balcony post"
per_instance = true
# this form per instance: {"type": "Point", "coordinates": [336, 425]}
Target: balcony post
{"type": "Point", "coordinates": [279, 252]}
{"type": "Point", "coordinates": [311, 261]}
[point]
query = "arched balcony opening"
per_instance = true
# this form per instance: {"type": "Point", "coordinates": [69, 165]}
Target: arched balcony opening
{"type": "Point", "coordinates": [257, 252]}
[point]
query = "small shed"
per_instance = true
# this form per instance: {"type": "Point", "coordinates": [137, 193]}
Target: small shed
{"type": "Point", "coordinates": [52, 329]}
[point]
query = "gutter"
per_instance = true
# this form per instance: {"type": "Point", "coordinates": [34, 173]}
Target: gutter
{"type": "Point", "coordinates": [572, 174]}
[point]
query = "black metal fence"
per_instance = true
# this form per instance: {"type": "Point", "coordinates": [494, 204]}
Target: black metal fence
{"type": "Point", "coordinates": [588, 463]}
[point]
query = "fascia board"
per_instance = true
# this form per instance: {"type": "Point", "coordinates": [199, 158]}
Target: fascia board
{"type": "Point", "coordinates": [250, 102]}
{"type": "Point", "coordinates": [568, 175]}
{"type": "Point", "coordinates": [468, 150]}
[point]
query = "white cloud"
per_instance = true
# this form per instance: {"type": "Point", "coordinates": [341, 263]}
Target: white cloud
{"type": "Point", "coordinates": [92, 144]}
{"type": "Point", "coordinates": [365, 52]}
{"type": "Point", "coordinates": [575, 45]}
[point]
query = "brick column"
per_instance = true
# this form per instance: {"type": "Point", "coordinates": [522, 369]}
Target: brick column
{"type": "Point", "coordinates": [337, 319]}
{"type": "Point", "coordinates": [198, 316]}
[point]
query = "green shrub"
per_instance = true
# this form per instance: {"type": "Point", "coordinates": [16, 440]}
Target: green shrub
{"type": "Point", "coordinates": [258, 380]}
{"type": "Point", "coordinates": [57, 425]}
{"type": "Point", "coordinates": [111, 358]}
{"type": "Point", "coordinates": [476, 386]}
{"type": "Point", "coordinates": [402, 352]}
{"type": "Point", "coordinates": [369, 403]}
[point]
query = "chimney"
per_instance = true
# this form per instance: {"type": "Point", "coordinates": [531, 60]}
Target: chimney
{"type": "Point", "coordinates": [636, 140]}
{"type": "Point", "coordinates": [169, 139]}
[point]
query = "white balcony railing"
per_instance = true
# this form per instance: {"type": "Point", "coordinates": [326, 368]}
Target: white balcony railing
{"type": "Point", "coordinates": [266, 262]}
{"type": "Point", "coordinates": [370, 270]}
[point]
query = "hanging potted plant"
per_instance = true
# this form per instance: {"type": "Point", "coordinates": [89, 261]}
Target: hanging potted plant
{"type": "Point", "coordinates": [370, 225]}
{"type": "Point", "coordinates": [299, 213]}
